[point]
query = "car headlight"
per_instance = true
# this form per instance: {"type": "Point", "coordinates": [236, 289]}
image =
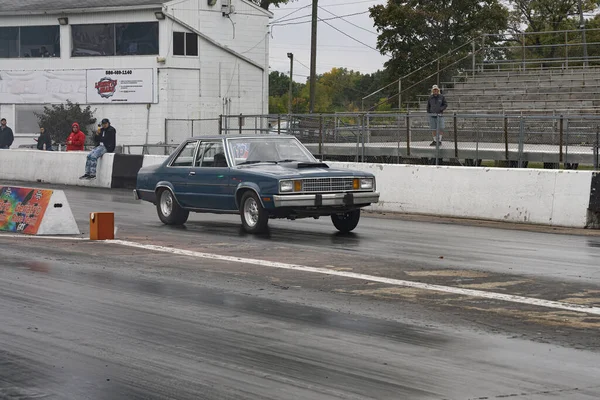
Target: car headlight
{"type": "Point", "coordinates": [286, 186]}
{"type": "Point", "coordinates": [366, 183]}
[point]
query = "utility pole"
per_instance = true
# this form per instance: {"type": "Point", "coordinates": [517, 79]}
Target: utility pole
{"type": "Point", "coordinates": [291, 57]}
{"type": "Point", "coordinates": [582, 27]}
{"type": "Point", "coordinates": [313, 56]}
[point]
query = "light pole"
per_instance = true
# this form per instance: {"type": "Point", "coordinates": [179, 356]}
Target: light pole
{"type": "Point", "coordinates": [313, 56]}
{"type": "Point", "coordinates": [582, 27]}
{"type": "Point", "coordinates": [291, 57]}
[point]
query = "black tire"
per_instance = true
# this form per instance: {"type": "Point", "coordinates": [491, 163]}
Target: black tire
{"type": "Point", "coordinates": [169, 211]}
{"type": "Point", "coordinates": [254, 217]}
{"type": "Point", "coordinates": [346, 222]}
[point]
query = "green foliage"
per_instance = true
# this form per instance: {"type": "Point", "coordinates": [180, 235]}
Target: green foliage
{"type": "Point", "coordinates": [266, 3]}
{"type": "Point", "coordinates": [416, 32]}
{"type": "Point", "coordinates": [546, 16]}
{"type": "Point", "coordinates": [58, 118]}
{"type": "Point", "coordinates": [337, 90]}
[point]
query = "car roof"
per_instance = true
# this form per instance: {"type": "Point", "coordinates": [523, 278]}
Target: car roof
{"type": "Point", "coordinates": [234, 136]}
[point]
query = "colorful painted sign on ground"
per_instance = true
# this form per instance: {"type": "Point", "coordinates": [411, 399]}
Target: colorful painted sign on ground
{"type": "Point", "coordinates": [22, 209]}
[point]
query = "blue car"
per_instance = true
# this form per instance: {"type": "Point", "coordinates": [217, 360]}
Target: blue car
{"type": "Point", "coordinates": [259, 177]}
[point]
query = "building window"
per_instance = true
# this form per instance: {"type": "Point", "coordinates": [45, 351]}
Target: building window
{"type": "Point", "coordinates": [26, 120]}
{"type": "Point", "coordinates": [139, 38]}
{"type": "Point", "coordinates": [185, 44]}
{"type": "Point", "coordinates": [30, 41]}
{"type": "Point", "coordinates": [40, 41]}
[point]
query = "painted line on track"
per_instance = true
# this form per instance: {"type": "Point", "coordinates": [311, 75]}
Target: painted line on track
{"type": "Point", "coordinates": [345, 274]}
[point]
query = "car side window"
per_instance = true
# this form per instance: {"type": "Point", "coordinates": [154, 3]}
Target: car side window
{"type": "Point", "coordinates": [211, 155]}
{"type": "Point", "coordinates": [185, 156]}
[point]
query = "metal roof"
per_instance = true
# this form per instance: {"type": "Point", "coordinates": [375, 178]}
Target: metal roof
{"type": "Point", "coordinates": [37, 6]}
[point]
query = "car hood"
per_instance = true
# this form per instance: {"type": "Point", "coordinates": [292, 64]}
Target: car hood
{"type": "Point", "coordinates": [300, 170]}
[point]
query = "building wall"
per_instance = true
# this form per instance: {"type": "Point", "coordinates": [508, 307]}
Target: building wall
{"type": "Point", "coordinates": [206, 86]}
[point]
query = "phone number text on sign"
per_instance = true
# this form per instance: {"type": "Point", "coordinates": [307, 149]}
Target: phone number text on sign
{"type": "Point", "coordinates": [127, 72]}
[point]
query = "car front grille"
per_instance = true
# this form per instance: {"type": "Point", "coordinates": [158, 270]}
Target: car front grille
{"type": "Point", "coordinates": [327, 184]}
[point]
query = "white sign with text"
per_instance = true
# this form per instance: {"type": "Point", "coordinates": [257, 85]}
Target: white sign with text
{"type": "Point", "coordinates": [120, 86]}
{"type": "Point", "coordinates": [92, 86]}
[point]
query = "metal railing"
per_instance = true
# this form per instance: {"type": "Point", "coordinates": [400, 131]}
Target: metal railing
{"type": "Point", "coordinates": [521, 51]}
{"type": "Point", "coordinates": [512, 140]}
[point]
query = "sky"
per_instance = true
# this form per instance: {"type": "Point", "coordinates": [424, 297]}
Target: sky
{"type": "Point", "coordinates": [334, 49]}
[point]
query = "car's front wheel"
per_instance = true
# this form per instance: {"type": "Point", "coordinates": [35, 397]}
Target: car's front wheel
{"type": "Point", "coordinates": [347, 221]}
{"type": "Point", "coordinates": [254, 217]}
{"type": "Point", "coordinates": [168, 209]}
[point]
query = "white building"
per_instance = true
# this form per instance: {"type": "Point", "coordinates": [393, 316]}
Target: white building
{"type": "Point", "coordinates": [147, 65]}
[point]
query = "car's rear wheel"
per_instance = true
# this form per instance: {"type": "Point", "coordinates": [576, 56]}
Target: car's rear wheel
{"type": "Point", "coordinates": [168, 209]}
{"type": "Point", "coordinates": [347, 221]}
{"type": "Point", "coordinates": [254, 217]}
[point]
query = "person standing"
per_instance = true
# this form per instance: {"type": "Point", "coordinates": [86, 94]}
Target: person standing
{"type": "Point", "coordinates": [76, 139]}
{"type": "Point", "coordinates": [6, 135]}
{"type": "Point", "coordinates": [44, 142]}
{"type": "Point", "coordinates": [106, 140]}
{"type": "Point", "coordinates": [436, 105]}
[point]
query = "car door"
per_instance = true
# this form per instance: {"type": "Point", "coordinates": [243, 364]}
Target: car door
{"type": "Point", "coordinates": [210, 178]}
{"type": "Point", "coordinates": [178, 172]}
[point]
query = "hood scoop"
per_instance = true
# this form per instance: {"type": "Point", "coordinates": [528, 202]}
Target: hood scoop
{"type": "Point", "coordinates": [312, 165]}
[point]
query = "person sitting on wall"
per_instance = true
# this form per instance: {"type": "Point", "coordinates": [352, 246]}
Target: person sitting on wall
{"type": "Point", "coordinates": [44, 142]}
{"type": "Point", "coordinates": [106, 139]}
{"type": "Point", "coordinates": [76, 139]}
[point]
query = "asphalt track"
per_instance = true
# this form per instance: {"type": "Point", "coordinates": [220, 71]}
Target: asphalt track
{"type": "Point", "coordinates": [90, 320]}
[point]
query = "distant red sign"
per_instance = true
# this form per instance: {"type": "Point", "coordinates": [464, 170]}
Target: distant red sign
{"type": "Point", "coordinates": [106, 87]}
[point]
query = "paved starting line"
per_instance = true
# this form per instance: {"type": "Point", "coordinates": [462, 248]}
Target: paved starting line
{"type": "Point", "coordinates": [345, 274]}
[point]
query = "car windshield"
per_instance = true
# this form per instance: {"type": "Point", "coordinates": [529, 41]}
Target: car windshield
{"type": "Point", "coordinates": [268, 150]}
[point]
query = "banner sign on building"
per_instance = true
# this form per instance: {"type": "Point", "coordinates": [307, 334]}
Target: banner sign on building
{"type": "Point", "coordinates": [22, 209]}
{"type": "Point", "coordinates": [92, 86]}
{"type": "Point", "coordinates": [120, 86]}
{"type": "Point", "coordinates": [41, 87]}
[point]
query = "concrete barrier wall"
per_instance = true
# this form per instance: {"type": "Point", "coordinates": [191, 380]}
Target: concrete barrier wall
{"type": "Point", "coordinates": [549, 197]}
{"type": "Point", "coordinates": [53, 167]}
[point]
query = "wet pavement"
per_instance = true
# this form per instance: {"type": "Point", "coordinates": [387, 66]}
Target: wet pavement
{"type": "Point", "coordinates": [84, 320]}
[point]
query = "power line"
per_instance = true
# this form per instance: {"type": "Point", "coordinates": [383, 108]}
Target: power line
{"type": "Point", "coordinates": [282, 23]}
{"type": "Point", "coordinates": [301, 63]}
{"type": "Point", "coordinates": [351, 23]}
{"type": "Point", "coordinates": [351, 37]}
{"type": "Point", "coordinates": [293, 12]}
{"type": "Point", "coordinates": [334, 5]}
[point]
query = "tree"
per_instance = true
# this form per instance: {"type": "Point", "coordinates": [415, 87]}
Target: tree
{"type": "Point", "coordinates": [542, 16]}
{"type": "Point", "coordinates": [279, 83]}
{"type": "Point", "coordinates": [416, 32]}
{"type": "Point", "coordinates": [58, 118]}
{"type": "Point", "coordinates": [545, 15]}
{"type": "Point", "coordinates": [266, 3]}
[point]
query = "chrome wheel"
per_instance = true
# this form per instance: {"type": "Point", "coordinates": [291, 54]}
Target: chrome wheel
{"type": "Point", "coordinates": [251, 213]}
{"type": "Point", "coordinates": [166, 203]}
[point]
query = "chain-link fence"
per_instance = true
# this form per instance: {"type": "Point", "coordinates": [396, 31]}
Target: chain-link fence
{"type": "Point", "coordinates": [459, 139]}
{"type": "Point", "coordinates": [505, 140]}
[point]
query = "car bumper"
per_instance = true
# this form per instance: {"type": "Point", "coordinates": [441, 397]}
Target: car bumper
{"type": "Point", "coordinates": [330, 199]}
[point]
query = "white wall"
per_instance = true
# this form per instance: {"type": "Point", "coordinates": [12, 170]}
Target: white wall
{"type": "Point", "coordinates": [549, 197]}
{"type": "Point", "coordinates": [53, 167]}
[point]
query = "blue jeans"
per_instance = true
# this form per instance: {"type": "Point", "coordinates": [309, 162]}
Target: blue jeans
{"type": "Point", "coordinates": [92, 160]}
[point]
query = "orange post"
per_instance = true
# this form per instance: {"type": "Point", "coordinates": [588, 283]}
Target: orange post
{"type": "Point", "coordinates": [102, 226]}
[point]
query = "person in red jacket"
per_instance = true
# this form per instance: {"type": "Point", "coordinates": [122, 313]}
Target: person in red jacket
{"type": "Point", "coordinates": [76, 139]}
